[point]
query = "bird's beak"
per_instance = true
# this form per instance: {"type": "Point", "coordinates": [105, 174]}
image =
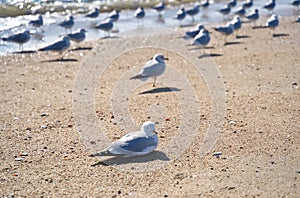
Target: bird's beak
{"type": "Point", "coordinates": [155, 132]}
{"type": "Point", "coordinates": [166, 58]}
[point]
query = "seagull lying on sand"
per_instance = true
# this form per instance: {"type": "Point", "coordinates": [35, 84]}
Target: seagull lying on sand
{"type": "Point", "coordinates": [152, 69]}
{"type": "Point", "coordinates": [77, 36]}
{"type": "Point", "coordinates": [133, 144]}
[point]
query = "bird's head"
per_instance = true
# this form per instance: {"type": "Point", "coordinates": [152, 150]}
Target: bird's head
{"type": "Point", "coordinates": [159, 58]}
{"type": "Point", "coordinates": [148, 127]}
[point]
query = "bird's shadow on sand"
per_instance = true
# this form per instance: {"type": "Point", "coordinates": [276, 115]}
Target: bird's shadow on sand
{"type": "Point", "coordinates": [60, 60]}
{"type": "Point", "coordinates": [233, 43]}
{"type": "Point", "coordinates": [280, 35]}
{"type": "Point", "coordinates": [109, 37]}
{"type": "Point", "coordinates": [242, 36]}
{"type": "Point", "coordinates": [156, 155]}
{"type": "Point", "coordinates": [200, 48]}
{"type": "Point", "coordinates": [81, 49]}
{"type": "Point", "coordinates": [210, 55]}
{"type": "Point", "coordinates": [160, 90]}
{"type": "Point", "coordinates": [25, 52]}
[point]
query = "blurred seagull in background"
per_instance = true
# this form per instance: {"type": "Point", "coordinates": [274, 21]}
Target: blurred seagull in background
{"type": "Point", "coordinates": [59, 46]}
{"type": "Point", "coordinates": [94, 14]}
{"type": "Point", "coordinates": [225, 11]}
{"type": "Point", "coordinates": [68, 23]}
{"type": "Point", "coordinates": [240, 11]}
{"type": "Point", "coordinates": [272, 23]}
{"type": "Point", "coordinates": [253, 16]}
{"type": "Point", "coordinates": [204, 4]}
{"type": "Point", "coordinates": [225, 30]}
{"type": "Point", "coordinates": [193, 11]}
{"type": "Point", "coordinates": [248, 4]}
{"type": "Point", "coordinates": [192, 33]}
{"type": "Point", "coordinates": [77, 36]}
{"type": "Point", "coordinates": [152, 69]}
{"type": "Point", "coordinates": [159, 8]}
{"type": "Point", "coordinates": [140, 14]}
{"type": "Point", "coordinates": [237, 24]}
{"type": "Point", "coordinates": [180, 15]}
{"type": "Point", "coordinates": [106, 26]}
{"type": "Point", "coordinates": [202, 38]}
{"type": "Point", "coordinates": [20, 38]}
{"type": "Point", "coordinates": [38, 22]}
{"type": "Point", "coordinates": [133, 144]}
{"type": "Point", "coordinates": [270, 5]}
{"type": "Point", "coordinates": [232, 3]}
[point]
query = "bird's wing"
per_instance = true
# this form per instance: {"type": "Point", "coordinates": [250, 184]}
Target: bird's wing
{"type": "Point", "coordinates": [60, 45]}
{"type": "Point", "coordinates": [153, 68]}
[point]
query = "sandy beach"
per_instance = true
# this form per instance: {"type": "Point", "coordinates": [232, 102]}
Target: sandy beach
{"type": "Point", "coordinates": [45, 153]}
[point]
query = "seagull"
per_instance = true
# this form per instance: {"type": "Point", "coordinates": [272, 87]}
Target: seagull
{"type": "Point", "coordinates": [59, 46]}
{"type": "Point", "coordinates": [192, 33]}
{"type": "Point", "coordinates": [270, 5]}
{"type": "Point", "coordinates": [139, 14]}
{"type": "Point", "coordinates": [153, 68]}
{"type": "Point", "coordinates": [204, 4]}
{"type": "Point", "coordinates": [225, 10]}
{"type": "Point", "coordinates": [253, 16]}
{"type": "Point", "coordinates": [240, 11]}
{"type": "Point", "coordinates": [232, 3]}
{"type": "Point", "coordinates": [159, 8]}
{"type": "Point", "coordinates": [133, 144]}
{"type": "Point", "coordinates": [77, 36]}
{"type": "Point", "coordinates": [38, 22]}
{"type": "Point", "coordinates": [193, 11]}
{"type": "Point", "coordinates": [296, 3]}
{"type": "Point", "coordinates": [105, 25]}
{"type": "Point", "coordinates": [68, 23]}
{"type": "Point", "coordinates": [93, 14]}
{"type": "Point", "coordinates": [180, 15]}
{"type": "Point", "coordinates": [237, 24]}
{"type": "Point", "coordinates": [225, 30]}
{"type": "Point", "coordinates": [248, 4]}
{"type": "Point", "coordinates": [202, 38]}
{"type": "Point", "coordinates": [298, 20]}
{"type": "Point", "coordinates": [272, 22]}
{"type": "Point", "coordinates": [19, 38]}
{"type": "Point", "coordinates": [114, 15]}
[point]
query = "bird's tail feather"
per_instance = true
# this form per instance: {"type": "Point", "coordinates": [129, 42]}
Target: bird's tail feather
{"type": "Point", "coordinates": [139, 76]}
{"type": "Point", "coordinates": [103, 153]}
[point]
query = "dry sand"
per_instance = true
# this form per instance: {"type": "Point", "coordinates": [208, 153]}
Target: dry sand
{"type": "Point", "coordinates": [259, 138]}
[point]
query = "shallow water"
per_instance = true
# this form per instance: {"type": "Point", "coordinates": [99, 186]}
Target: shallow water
{"type": "Point", "coordinates": [51, 31]}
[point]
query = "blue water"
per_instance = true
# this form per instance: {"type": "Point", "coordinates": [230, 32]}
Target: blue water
{"type": "Point", "coordinates": [51, 31]}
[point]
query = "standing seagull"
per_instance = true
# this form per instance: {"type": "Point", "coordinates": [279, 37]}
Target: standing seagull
{"type": "Point", "coordinates": [180, 15]}
{"type": "Point", "coordinates": [93, 14]}
{"type": "Point", "coordinates": [133, 144]}
{"type": "Point", "coordinates": [202, 38]}
{"type": "Point", "coordinates": [225, 30]}
{"type": "Point", "coordinates": [106, 26]}
{"type": "Point", "coordinates": [237, 24]}
{"type": "Point", "coordinates": [68, 23]}
{"type": "Point", "coordinates": [159, 8]}
{"type": "Point", "coordinates": [153, 68]}
{"type": "Point", "coordinates": [248, 4]}
{"type": "Point", "coordinates": [140, 14]}
{"type": "Point", "coordinates": [114, 15]}
{"type": "Point", "coordinates": [38, 22]}
{"type": "Point", "coordinates": [240, 11]}
{"type": "Point", "coordinates": [225, 11]}
{"type": "Point", "coordinates": [205, 4]}
{"type": "Point", "coordinates": [253, 16]}
{"type": "Point", "coordinates": [59, 46]}
{"type": "Point", "coordinates": [232, 3]}
{"type": "Point", "coordinates": [272, 23]}
{"type": "Point", "coordinates": [19, 38]}
{"type": "Point", "coordinates": [193, 11]}
{"type": "Point", "coordinates": [192, 33]}
{"type": "Point", "coordinates": [270, 5]}
{"type": "Point", "coordinates": [77, 36]}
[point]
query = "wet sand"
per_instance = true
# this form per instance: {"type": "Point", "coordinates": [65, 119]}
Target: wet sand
{"type": "Point", "coordinates": [259, 139]}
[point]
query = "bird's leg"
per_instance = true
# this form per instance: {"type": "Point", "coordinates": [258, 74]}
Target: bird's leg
{"type": "Point", "coordinates": [225, 40]}
{"type": "Point", "coordinates": [193, 19]}
{"type": "Point", "coordinates": [154, 82]}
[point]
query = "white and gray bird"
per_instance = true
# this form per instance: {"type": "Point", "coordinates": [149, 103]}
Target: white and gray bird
{"type": "Point", "coordinates": [140, 14]}
{"type": "Point", "coordinates": [20, 38]}
{"type": "Point", "coordinates": [59, 46]}
{"type": "Point", "coordinates": [152, 69]}
{"type": "Point", "coordinates": [38, 22]}
{"type": "Point", "coordinates": [237, 24]}
{"type": "Point", "coordinates": [106, 26]}
{"type": "Point", "coordinates": [180, 15]}
{"type": "Point", "coordinates": [68, 23]}
{"type": "Point", "coordinates": [77, 36]}
{"type": "Point", "coordinates": [159, 8]}
{"type": "Point", "coordinates": [193, 32]}
{"type": "Point", "coordinates": [253, 16]}
{"type": "Point", "coordinates": [272, 23]}
{"type": "Point", "coordinates": [225, 31]}
{"type": "Point", "coordinates": [133, 144]}
{"type": "Point", "coordinates": [202, 38]}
